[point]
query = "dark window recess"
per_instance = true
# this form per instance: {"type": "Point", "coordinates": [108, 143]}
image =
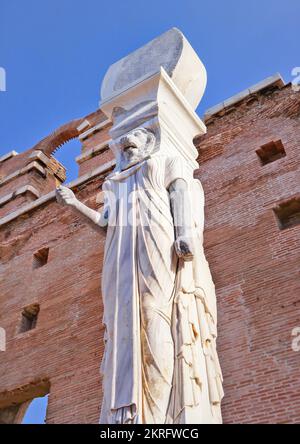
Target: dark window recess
{"type": "Point", "coordinates": [40, 258]}
{"type": "Point", "coordinates": [29, 317]}
{"type": "Point", "coordinates": [288, 213]}
{"type": "Point", "coordinates": [270, 152]}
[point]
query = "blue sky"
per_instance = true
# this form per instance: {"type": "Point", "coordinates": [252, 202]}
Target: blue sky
{"type": "Point", "coordinates": [36, 412]}
{"type": "Point", "coordinates": [56, 52]}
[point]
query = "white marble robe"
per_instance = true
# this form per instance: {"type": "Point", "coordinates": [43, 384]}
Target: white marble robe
{"type": "Point", "coordinates": [159, 366]}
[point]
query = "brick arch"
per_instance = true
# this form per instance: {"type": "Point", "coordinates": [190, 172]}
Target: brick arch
{"type": "Point", "coordinates": [66, 132]}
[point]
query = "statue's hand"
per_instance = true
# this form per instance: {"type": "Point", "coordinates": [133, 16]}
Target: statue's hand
{"type": "Point", "coordinates": [65, 196]}
{"type": "Point", "coordinates": [184, 247]}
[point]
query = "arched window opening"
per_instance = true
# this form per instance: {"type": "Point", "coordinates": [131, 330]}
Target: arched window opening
{"type": "Point", "coordinates": [36, 411]}
{"type": "Point", "coordinates": [66, 155]}
{"type": "Point", "coordinates": [26, 404]}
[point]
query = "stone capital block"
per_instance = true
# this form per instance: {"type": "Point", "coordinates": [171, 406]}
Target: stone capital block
{"type": "Point", "coordinates": [157, 87]}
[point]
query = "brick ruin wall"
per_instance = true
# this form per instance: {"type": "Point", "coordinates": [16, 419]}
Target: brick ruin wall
{"type": "Point", "coordinates": [254, 262]}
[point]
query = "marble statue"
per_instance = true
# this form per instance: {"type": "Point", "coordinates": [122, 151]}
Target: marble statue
{"type": "Point", "coordinates": [160, 364]}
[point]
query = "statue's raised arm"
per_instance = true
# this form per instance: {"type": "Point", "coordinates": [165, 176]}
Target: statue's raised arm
{"type": "Point", "coordinates": [65, 196]}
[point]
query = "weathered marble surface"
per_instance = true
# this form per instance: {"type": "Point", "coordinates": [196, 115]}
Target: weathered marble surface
{"type": "Point", "coordinates": [173, 53]}
{"type": "Point", "coordinates": [160, 363]}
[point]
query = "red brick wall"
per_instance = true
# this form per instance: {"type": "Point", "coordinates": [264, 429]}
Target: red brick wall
{"type": "Point", "coordinates": [253, 263]}
{"type": "Point", "coordinates": [66, 345]}
{"type": "Point", "coordinates": [255, 266]}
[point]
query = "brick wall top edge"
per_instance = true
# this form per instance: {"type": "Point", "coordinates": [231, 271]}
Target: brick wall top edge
{"type": "Point", "coordinates": [275, 81]}
{"type": "Point", "coordinates": [271, 102]}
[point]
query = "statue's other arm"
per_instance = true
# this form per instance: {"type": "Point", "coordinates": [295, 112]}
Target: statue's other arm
{"type": "Point", "coordinates": [65, 196]}
{"type": "Point", "coordinates": [182, 216]}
